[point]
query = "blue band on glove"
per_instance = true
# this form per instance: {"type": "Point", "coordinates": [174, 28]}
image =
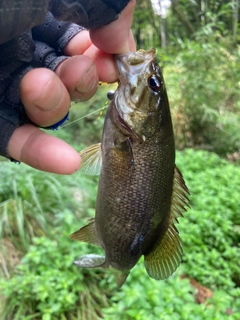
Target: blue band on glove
{"type": "Point", "coordinates": [58, 124]}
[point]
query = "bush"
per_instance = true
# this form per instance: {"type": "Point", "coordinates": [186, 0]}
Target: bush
{"type": "Point", "coordinates": [144, 298]}
{"type": "Point", "coordinates": [47, 285]}
{"type": "Point", "coordinates": [210, 230]}
{"type": "Point", "coordinates": [203, 85]}
{"type": "Point", "coordinates": [31, 200]}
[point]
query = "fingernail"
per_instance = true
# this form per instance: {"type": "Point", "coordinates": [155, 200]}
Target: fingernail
{"type": "Point", "coordinates": [51, 96]}
{"type": "Point", "coordinates": [86, 83]}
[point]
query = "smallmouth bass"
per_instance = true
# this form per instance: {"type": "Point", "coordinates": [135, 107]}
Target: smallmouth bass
{"type": "Point", "coordinates": [141, 192]}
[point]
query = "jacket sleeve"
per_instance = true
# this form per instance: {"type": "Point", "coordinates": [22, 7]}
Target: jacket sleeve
{"type": "Point", "coordinates": [18, 16]}
{"type": "Point", "coordinates": [90, 14]}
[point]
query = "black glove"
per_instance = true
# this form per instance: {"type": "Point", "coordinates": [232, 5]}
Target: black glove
{"type": "Point", "coordinates": [21, 50]}
{"type": "Point", "coordinates": [21, 55]}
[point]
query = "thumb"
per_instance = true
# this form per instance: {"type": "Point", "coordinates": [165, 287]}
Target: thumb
{"type": "Point", "coordinates": [116, 38]}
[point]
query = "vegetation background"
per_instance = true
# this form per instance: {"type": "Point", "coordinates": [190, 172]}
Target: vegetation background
{"type": "Point", "coordinates": [198, 48]}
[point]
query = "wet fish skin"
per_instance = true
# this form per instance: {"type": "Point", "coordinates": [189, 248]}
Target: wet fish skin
{"type": "Point", "coordinates": [141, 192]}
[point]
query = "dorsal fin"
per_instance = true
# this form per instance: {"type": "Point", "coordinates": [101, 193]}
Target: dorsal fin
{"type": "Point", "coordinates": [91, 159]}
{"type": "Point", "coordinates": [166, 254]}
{"type": "Point", "coordinates": [179, 196]}
{"type": "Point", "coordinates": [86, 234]}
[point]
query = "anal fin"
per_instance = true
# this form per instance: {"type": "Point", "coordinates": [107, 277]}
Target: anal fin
{"type": "Point", "coordinates": [165, 256]}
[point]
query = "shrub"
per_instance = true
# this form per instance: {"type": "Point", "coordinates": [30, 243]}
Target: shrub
{"type": "Point", "coordinates": [46, 284]}
{"type": "Point", "coordinates": [203, 85]}
{"type": "Point", "coordinates": [210, 229]}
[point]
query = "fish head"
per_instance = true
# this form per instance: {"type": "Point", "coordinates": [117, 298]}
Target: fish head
{"type": "Point", "coordinates": [141, 95]}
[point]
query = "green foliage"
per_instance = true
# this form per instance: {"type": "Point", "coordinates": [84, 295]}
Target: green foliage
{"type": "Point", "coordinates": [146, 25]}
{"type": "Point", "coordinates": [45, 285]}
{"type": "Point", "coordinates": [201, 67]}
{"type": "Point", "coordinates": [31, 203]}
{"type": "Point", "coordinates": [203, 87]}
{"type": "Point", "coordinates": [143, 298]}
{"type": "Point", "coordinates": [210, 231]}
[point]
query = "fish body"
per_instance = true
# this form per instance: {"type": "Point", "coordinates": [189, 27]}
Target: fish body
{"type": "Point", "coordinates": [141, 192]}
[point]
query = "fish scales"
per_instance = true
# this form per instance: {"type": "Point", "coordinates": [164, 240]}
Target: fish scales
{"type": "Point", "coordinates": [138, 203]}
{"type": "Point", "coordinates": [141, 192]}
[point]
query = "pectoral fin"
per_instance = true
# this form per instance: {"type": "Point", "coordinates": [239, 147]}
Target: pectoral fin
{"type": "Point", "coordinates": [91, 160]}
{"type": "Point", "coordinates": [86, 234]}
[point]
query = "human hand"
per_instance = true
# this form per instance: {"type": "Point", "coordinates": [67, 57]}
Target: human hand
{"type": "Point", "coordinates": [46, 95]}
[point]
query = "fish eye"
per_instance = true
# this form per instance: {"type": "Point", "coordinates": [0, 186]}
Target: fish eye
{"type": "Point", "coordinates": [154, 84]}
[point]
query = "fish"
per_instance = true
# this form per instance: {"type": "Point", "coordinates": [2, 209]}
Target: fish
{"type": "Point", "coordinates": [141, 192]}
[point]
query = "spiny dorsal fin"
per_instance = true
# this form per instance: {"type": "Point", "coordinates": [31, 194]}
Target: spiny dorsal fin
{"type": "Point", "coordinates": [179, 196]}
{"type": "Point", "coordinates": [91, 160]}
{"type": "Point", "coordinates": [86, 234]}
{"type": "Point", "coordinates": [166, 254]}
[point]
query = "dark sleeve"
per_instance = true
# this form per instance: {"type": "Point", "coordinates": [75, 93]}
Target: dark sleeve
{"type": "Point", "coordinates": [90, 14]}
{"type": "Point", "coordinates": [18, 16]}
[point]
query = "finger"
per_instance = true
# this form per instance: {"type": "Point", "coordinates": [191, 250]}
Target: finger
{"type": "Point", "coordinates": [80, 77]}
{"type": "Point", "coordinates": [78, 44]}
{"type": "Point", "coordinates": [131, 42]}
{"type": "Point", "coordinates": [82, 44]}
{"type": "Point", "coordinates": [39, 150]}
{"type": "Point", "coordinates": [115, 37]}
{"type": "Point", "coordinates": [105, 65]}
{"type": "Point", "coordinates": [45, 98]}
